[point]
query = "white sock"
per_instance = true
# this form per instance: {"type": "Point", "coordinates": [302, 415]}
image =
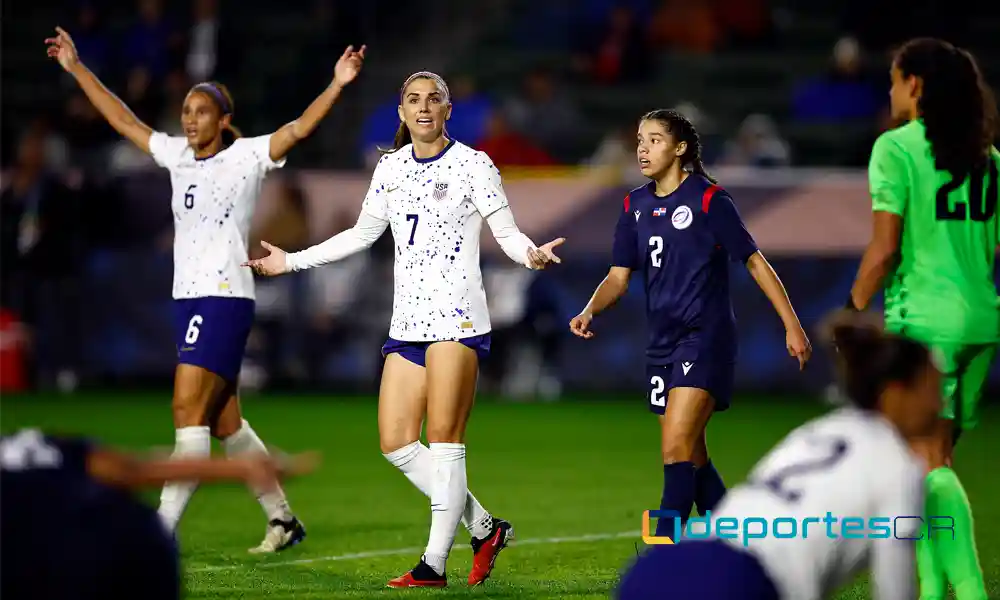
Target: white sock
{"type": "Point", "coordinates": [245, 441]}
{"type": "Point", "coordinates": [448, 496]}
{"type": "Point", "coordinates": [415, 461]}
{"type": "Point", "coordinates": [190, 442]}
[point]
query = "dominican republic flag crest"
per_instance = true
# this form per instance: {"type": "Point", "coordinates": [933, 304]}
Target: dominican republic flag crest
{"type": "Point", "coordinates": [659, 212]}
{"type": "Point", "coordinates": [440, 190]}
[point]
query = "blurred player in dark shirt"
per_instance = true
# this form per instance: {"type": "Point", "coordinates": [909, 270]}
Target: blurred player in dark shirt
{"type": "Point", "coordinates": [680, 231]}
{"type": "Point", "coordinates": [72, 527]}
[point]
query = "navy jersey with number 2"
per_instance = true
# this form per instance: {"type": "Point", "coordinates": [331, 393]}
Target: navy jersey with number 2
{"type": "Point", "coordinates": [682, 245]}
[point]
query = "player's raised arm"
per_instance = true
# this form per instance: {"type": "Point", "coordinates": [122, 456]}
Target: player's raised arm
{"type": "Point", "coordinates": [371, 224]}
{"type": "Point", "coordinates": [113, 109]}
{"type": "Point", "coordinates": [344, 72]}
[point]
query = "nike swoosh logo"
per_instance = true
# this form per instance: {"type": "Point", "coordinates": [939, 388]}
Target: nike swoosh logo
{"type": "Point", "coordinates": [391, 190]}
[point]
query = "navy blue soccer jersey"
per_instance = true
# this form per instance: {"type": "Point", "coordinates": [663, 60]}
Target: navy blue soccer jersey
{"type": "Point", "coordinates": [682, 245]}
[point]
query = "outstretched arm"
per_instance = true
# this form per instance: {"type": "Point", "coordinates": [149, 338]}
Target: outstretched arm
{"type": "Point", "coordinates": [518, 246]}
{"type": "Point", "coordinates": [125, 471]}
{"type": "Point", "coordinates": [346, 69]}
{"type": "Point", "coordinates": [111, 108]}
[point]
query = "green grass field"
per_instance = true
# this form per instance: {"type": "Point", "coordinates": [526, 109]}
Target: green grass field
{"type": "Point", "coordinates": [573, 477]}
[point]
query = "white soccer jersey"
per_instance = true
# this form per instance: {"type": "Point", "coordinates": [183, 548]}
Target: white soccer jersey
{"type": "Point", "coordinates": [435, 209]}
{"type": "Point", "coordinates": [213, 203]}
{"type": "Point", "coordinates": [850, 463]}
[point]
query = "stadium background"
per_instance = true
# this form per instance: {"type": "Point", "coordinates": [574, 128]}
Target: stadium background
{"type": "Point", "coordinates": [788, 98]}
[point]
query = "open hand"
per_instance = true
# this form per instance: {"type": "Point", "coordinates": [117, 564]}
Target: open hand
{"type": "Point", "coordinates": [63, 49]}
{"type": "Point", "coordinates": [275, 263]}
{"type": "Point", "coordinates": [541, 257]}
{"type": "Point", "coordinates": [264, 472]}
{"type": "Point", "coordinates": [349, 65]}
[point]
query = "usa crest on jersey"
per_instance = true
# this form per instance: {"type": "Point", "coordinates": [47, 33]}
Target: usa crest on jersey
{"type": "Point", "coordinates": [440, 190]}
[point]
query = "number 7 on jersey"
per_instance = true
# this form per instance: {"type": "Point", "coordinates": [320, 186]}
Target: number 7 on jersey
{"type": "Point", "coordinates": [413, 230]}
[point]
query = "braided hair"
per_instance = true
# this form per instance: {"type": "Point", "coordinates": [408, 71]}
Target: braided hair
{"type": "Point", "coordinates": [682, 130]}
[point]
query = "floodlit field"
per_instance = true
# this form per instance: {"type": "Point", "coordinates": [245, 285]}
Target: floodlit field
{"type": "Point", "coordinates": [573, 478]}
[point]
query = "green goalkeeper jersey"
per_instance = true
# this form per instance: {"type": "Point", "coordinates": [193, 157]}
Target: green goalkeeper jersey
{"type": "Point", "coordinates": [943, 288]}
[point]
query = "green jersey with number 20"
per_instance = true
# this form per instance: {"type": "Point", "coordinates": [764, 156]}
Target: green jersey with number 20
{"type": "Point", "coordinates": [943, 288]}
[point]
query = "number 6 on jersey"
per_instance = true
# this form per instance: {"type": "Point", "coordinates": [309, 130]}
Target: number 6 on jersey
{"type": "Point", "coordinates": [192, 333]}
{"type": "Point", "coordinates": [189, 197]}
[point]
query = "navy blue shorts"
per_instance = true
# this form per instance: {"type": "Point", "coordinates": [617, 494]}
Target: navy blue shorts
{"type": "Point", "coordinates": [416, 352]}
{"type": "Point", "coordinates": [715, 377]}
{"type": "Point", "coordinates": [709, 570]}
{"type": "Point", "coordinates": [212, 333]}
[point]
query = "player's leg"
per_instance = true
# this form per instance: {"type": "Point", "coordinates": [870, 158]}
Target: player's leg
{"type": "Point", "coordinates": [402, 406]}
{"type": "Point", "coordinates": [195, 390]}
{"type": "Point", "coordinates": [682, 424]}
{"type": "Point", "coordinates": [709, 487]}
{"type": "Point", "coordinates": [943, 558]}
{"type": "Point", "coordinates": [956, 554]}
{"type": "Point", "coordinates": [284, 529]}
{"type": "Point", "coordinates": [401, 409]}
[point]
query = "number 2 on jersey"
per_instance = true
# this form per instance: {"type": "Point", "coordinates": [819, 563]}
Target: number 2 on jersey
{"type": "Point", "coordinates": [832, 450]}
{"type": "Point", "coordinates": [655, 254]}
{"type": "Point", "coordinates": [978, 208]}
{"type": "Point", "coordinates": [413, 230]}
{"type": "Point", "coordinates": [189, 197]}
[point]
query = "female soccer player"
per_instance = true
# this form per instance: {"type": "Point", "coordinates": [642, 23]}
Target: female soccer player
{"type": "Point", "coordinates": [934, 189]}
{"type": "Point", "coordinates": [434, 193]}
{"type": "Point", "coordinates": [216, 178]}
{"type": "Point", "coordinates": [58, 495]}
{"type": "Point", "coordinates": [680, 231]}
{"type": "Point", "coordinates": [854, 463]}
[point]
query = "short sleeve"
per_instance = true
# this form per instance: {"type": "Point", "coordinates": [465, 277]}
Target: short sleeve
{"type": "Point", "coordinates": [260, 148]}
{"type": "Point", "coordinates": [625, 249]}
{"type": "Point", "coordinates": [888, 180]}
{"type": "Point", "coordinates": [166, 150]}
{"type": "Point", "coordinates": [486, 185]}
{"type": "Point", "coordinates": [376, 202]}
{"type": "Point", "coordinates": [727, 226]}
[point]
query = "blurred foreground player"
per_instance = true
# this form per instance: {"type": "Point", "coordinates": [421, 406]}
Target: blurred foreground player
{"type": "Point", "coordinates": [854, 461]}
{"type": "Point", "coordinates": [73, 528]}
{"type": "Point", "coordinates": [935, 191]}
{"type": "Point", "coordinates": [680, 232]}
{"type": "Point", "coordinates": [216, 177]}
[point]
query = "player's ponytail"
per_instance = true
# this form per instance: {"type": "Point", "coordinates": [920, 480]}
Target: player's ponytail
{"type": "Point", "coordinates": [682, 130]}
{"type": "Point", "coordinates": [957, 107]}
{"type": "Point", "coordinates": [870, 359]}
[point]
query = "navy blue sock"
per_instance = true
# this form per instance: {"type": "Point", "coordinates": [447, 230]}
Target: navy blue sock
{"type": "Point", "coordinates": [678, 495]}
{"type": "Point", "coordinates": [708, 488]}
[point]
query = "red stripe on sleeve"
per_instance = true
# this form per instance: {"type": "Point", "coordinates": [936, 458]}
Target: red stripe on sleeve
{"type": "Point", "coordinates": [627, 196]}
{"type": "Point", "coordinates": [706, 198]}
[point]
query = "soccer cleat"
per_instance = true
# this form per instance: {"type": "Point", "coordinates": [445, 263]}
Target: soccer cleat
{"type": "Point", "coordinates": [487, 549]}
{"type": "Point", "coordinates": [280, 535]}
{"type": "Point", "coordinates": [422, 575]}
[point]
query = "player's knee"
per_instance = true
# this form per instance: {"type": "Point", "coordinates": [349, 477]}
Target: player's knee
{"type": "Point", "coordinates": [191, 409]}
{"type": "Point", "coordinates": [679, 448]}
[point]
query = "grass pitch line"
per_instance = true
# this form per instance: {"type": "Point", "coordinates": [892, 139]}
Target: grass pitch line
{"type": "Point", "coordinates": [593, 537]}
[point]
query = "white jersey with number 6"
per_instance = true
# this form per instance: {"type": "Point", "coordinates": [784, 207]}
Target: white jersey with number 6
{"type": "Point", "coordinates": [213, 202]}
{"type": "Point", "coordinates": [850, 463]}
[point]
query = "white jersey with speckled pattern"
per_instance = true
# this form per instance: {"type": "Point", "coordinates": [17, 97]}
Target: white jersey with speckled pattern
{"type": "Point", "coordinates": [435, 208]}
{"type": "Point", "coordinates": [213, 202]}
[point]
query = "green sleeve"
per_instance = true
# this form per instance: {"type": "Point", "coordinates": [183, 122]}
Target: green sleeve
{"type": "Point", "coordinates": [888, 180]}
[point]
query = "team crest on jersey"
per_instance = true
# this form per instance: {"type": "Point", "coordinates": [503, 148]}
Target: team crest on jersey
{"type": "Point", "coordinates": [440, 190]}
{"type": "Point", "coordinates": [659, 212]}
{"type": "Point", "coordinates": [682, 217]}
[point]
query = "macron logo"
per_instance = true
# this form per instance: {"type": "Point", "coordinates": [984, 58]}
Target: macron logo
{"type": "Point", "coordinates": [637, 213]}
{"type": "Point", "coordinates": [686, 366]}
